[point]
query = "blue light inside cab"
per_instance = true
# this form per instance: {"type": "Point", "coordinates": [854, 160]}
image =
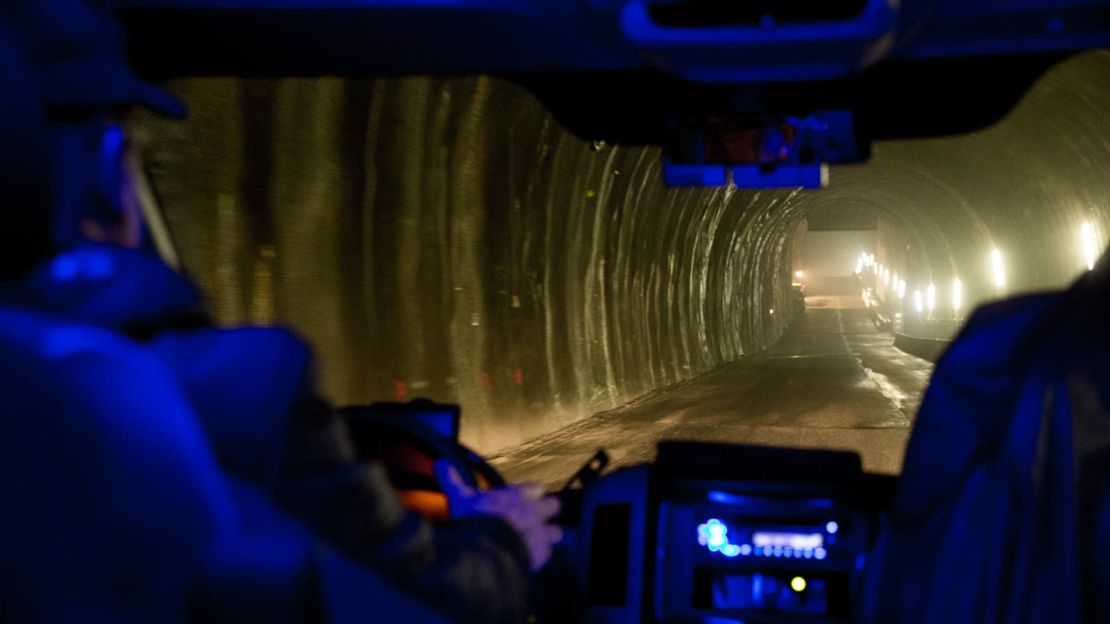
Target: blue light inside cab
{"type": "Point", "coordinates": [713, 534]}
{"type": "Point", "coordinates": [694, 175]}
{"type": "Point", "coordinates": [820, 553]}
{"type": "Point", "coordinates": [726, 498]}
{"type": "Point", "coordinates": [832, 527]}
{"type": "Point", "coordinates": [809, 554]}
{"type": "Point", "coordinates": [64, 268]}
{"type": "Point", "coordinates": [811, 176]}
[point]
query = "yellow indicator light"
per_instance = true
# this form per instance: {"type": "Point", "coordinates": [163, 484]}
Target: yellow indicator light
{"type": "Point", "coordinates": [798, 584]}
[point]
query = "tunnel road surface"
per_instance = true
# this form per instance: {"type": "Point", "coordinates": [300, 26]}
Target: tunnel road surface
{"type": "Point", "coordinates": [833, 381]}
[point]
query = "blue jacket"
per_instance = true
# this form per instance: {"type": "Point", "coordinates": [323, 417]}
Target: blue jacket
{"type": "Point", "coordinates": [250, 389]}
{"type": "Point", "coordinates": [1003, 507]}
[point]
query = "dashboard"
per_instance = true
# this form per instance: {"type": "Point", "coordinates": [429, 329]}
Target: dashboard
{"type": "Point", "coordinates": [714, 533]}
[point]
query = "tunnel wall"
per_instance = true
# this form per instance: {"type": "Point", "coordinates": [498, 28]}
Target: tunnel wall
{"type": "Point", "coordinates": [445, 238]}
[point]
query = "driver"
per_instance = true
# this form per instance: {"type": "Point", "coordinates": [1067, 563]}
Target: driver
{"type": "Point", "coordinates": [250, 387]}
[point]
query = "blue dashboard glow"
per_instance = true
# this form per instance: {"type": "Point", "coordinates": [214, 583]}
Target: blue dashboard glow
{"type": "Point", "coordinates": [727, 498]}
{"type": "Point", "coordinates": [788, 539]}
{"type": "Point", "coordinates": [832, 527]}
{"type": "Point", "coordinates": [713, 534]}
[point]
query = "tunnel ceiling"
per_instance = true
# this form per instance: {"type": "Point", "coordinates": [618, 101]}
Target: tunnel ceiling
{"type": "Point", "coordinates": [444, 237]}
{"type": "Point", "coordinates": [1025, 186]}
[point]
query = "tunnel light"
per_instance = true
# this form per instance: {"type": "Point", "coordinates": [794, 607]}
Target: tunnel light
{"type": "Point", "coordinates": [886, 277]}
{"type": "Point", "coordinates": [1090, 244]}
{"type": "Point", "coordinates": [998, 270]}
{"type": "Point", "coordinates": [931, 298]}
{"type": "Point", "coordinates": [957, 295]}
{"type": "Point", "coordinates": [917, 301]}
{"type": "Point", "coordinates": [902, 289]}
{"type": "Point", "coordinates": [799, 274]}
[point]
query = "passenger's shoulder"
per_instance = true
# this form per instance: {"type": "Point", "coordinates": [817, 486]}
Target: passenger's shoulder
{"type": "Point", "coordinates": [998, 332]}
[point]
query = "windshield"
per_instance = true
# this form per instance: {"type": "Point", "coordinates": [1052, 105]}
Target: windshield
{"type": "Point", "coordinates": [447, 238]}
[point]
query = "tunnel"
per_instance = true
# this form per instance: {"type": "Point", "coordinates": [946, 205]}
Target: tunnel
{"type": "Point", "coordinates": [445, 237]}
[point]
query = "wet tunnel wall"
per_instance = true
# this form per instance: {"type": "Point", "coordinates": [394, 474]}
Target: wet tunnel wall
{"type": "Point", "coordinates": [444, 237]}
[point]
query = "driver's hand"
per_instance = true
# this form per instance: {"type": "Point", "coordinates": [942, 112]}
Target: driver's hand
{"type": "Point", "coordinates": [524, 506]}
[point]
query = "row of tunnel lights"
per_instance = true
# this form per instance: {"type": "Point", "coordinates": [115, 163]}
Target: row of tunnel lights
{"type": "Point", "coordinates": [928, 299]}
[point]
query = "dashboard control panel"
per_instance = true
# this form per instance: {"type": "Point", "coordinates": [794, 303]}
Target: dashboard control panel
{"type": "Point", "coordinates": [721, 533]}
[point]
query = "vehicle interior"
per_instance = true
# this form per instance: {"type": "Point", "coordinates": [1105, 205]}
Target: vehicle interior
{"type": "Point", "coordinates": [687, 263]}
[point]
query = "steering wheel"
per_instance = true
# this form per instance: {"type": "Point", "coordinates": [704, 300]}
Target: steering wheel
{"type": "Point", "coordinates": [409, 448]}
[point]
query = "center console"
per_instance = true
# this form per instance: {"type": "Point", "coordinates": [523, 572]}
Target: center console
{"type": "Point", "coordinates": [715, 533]}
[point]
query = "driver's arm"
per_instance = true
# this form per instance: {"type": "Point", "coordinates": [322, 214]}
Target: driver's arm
{"type": "Point", "coordinates": [476, 570]}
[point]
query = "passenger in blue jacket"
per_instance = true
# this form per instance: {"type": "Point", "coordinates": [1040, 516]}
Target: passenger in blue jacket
{"type": "Point", "coordinates": [250, 388]}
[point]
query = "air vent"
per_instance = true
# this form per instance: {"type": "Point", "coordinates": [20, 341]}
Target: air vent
{"type": "Point", "coordinates": [709, 13]}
